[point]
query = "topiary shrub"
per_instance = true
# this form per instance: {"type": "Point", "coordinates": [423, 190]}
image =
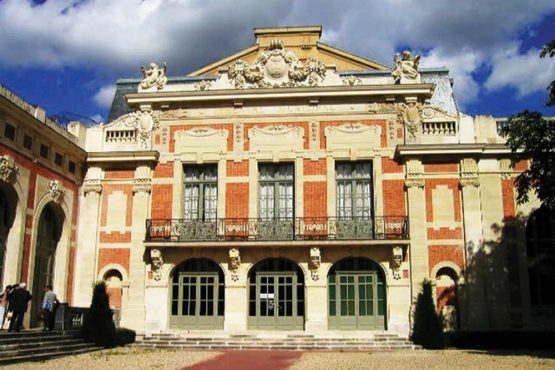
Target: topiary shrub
{"type": "Point", "coordinates": [427, 330]}
{"type": "Point", "coordinates": [98, 324]}
{"type": "Point", "coordinates": [124, 336]}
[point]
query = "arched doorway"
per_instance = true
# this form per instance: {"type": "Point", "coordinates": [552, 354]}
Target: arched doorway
{"type": "Point", "coordinates": [540, 247]}
{"type": "Point", "coordinates": [113, 280]}
{"type": "Point", "coordinates": [197, 295]}
{"type": "Point", "coordinates": [446, 293]}
{"type": "Point", "coordinates": [48, 234]}
{"type": "Point", "coordinates": [356, 295]}
{"type": "Point", "coordinates": [8, 203]}
{"type": "Point", "coordinates": [276, 295]}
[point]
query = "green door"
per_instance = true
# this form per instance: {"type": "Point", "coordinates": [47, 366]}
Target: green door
{"type": "Point", "coordinates": [356, 300]}
{"type": "Point", "coordinates": [276, 299]}
{"type": "Point", "coordinates": [197, 299]}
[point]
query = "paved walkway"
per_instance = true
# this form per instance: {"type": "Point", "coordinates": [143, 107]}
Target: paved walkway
{"type": "Point", "coordinates": [250, 360]}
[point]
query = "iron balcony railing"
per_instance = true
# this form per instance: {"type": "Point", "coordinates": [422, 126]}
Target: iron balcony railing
{"type": "Point", "coordinates": [255, 229]}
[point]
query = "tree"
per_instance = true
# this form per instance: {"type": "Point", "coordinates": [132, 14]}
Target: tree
{"type": "Point", "coordinates": [530, 136]}
{"type": "Point", "coordinates": [98, 325]}
{"type": "Point", "coordinates": [427, 330]}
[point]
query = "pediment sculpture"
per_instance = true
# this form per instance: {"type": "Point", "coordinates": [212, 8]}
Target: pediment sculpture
{"type": "Point", "coordinates": [156, 262]}
{"type": "Point", "coordinates": [154, 76]}
{"type": "Point", "coordinates": [276, 67]}
{"type": "Point", "coordinates": [142, 122]}
{"type": "Point", "coordinates": [56, 190]}
{"type": "Point", "coordinates": [405, 68]}
{"type": "Point", "coordinates": [413, 114]}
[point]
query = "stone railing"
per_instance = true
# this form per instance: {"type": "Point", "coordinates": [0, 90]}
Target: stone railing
{"type": "Point", "coordinates": [69, 318]}
{"type": "Point", "coordinates": [439, 128]}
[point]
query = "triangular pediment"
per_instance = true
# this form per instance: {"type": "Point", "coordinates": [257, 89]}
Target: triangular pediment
{"type": "Point", "coordinates": [304, 42]}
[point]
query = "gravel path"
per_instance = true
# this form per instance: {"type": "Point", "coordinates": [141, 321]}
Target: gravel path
{"type": "Point", "coordinates": [429, 360]}
{"type": "Point", "coordinates": [120, 358]}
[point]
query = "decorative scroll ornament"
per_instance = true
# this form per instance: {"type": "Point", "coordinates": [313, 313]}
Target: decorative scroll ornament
{"type": "Point", "coordinates": [410, 116]}
{"type": "Point", "coordinates": [154, 76]}
{"type": "Point", "coordinates": [143, 122]}
{"type": "Point", "coordinates": [276, 67]}
{"type": "Point", "coordinates": [142, 186]}
{"type": "Point", "coordinates": [315, 262]}
{"type": "Point", "coordinates": [351, 80]}
{"type": "Point", "coordinates": [55, 190]}
{"type": "Point", "coordinates": [405, 69]}
{"type": "Point", "coordinates": [156, 262]}
{"type": "Point", "coordinates": [92, 186]}
{"type": "Point", "coordinates": [396, 262]}
{"type": "Point", "coordinates": [234, 263]}
{"type": "Point", "coordinates": [8, 170]}
{"type": "Point", "coordinates": [203, 85]}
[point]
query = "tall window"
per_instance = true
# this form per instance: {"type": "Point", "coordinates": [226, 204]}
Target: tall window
{"type": "Point", "coordinates": [276, 192]}
{"type": "Point", "coordinates": [354, 190]}
{"type": "Point", "coordinates": [201, 193]}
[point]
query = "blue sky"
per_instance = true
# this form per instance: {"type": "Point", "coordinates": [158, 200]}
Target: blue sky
{"type": "Point", "coordinates": [65, 55]}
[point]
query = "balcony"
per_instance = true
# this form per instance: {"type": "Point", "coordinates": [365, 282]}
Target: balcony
{"type": "Point", "coordinates": [254, 229]}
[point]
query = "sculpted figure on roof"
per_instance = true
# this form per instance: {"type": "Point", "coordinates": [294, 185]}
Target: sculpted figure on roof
{"type": "Point", "coordinates": [154, 76]}
{"type": "Point", "coordinates": [276, 67]}
{"type": "Point", "coordinates": [405, 69]}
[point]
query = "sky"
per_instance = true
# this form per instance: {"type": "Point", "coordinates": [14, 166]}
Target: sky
{"type": "Point", "coordinates": [65, 55]}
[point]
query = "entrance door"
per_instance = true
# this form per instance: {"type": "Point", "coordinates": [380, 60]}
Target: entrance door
{"type": "Point", "coordinates": [356, 300]}
{"type": "Point", "coordinates": [276, 298]}
{"type": "Point", "coordinates": [197, 300]}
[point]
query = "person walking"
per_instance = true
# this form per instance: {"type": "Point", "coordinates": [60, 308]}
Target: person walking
{"type": "Point", "coordinates": [18, 300]}
{"type": "Point", "coordinates": [49, 304]}
{"type": "Point", "coordinates": [4, 305]}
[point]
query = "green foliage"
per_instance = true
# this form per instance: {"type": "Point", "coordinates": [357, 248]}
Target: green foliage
{"type": "Point", "coordinates": [530, 136]}
{"type": "Point", "coordinates": [549, 50]}
{"type": "Point", "coordinates": [427, 330]}
{"type": "Point", "coordinates": [124, 336]}
{"type": "Point", "coordinates": [98, 325]}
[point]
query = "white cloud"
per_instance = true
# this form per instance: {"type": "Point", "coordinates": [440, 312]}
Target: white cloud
{"type": "Point", "coordinates": [103, 98]}
{"type": "Point", "coordinates": [113, 38]}
{"type": "Point", "coordinates": [527, 73]}
{"type": "Point", "coordinates": [97, 118]}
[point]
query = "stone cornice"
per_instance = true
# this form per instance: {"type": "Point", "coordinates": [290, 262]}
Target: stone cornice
{"type": "Point", "coordinates": [424, 90]}
{"type": "Point", "coordinates": [148, 156]}
{"type": "Point", "coordinates": [453, 150]}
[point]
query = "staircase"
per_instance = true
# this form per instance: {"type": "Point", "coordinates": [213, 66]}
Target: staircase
{"type": "Point", "coordinates": [33, 345]}
{"type": "Point", "coordinates": [375, 342]}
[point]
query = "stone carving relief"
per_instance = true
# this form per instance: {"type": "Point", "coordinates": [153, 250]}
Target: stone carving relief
{"type": "Point", "coordinates": [405, 68]}
{"type": "Point", "coordinates": [8, 170]}
{"type": "Point", "coordinates": [143, 185]}
{"type": "Point", "coordinates": [276, 67]}
{"type": "Point", "coordinates": [92, 186]}
{"type": "Point", "coordinates": [276, 137]}
{"type": "Point", "coordinates": [154, 76]}
{"type": "Point", "coordinates": [141, 122]}
{"type": "Point", "coordinates": [156, 263]}
{"type": "Point", "coordinates": [506, 168]}
{"type": "Point", "coordinates": [410, 116]}
{"type": "Point", "coordinates": [201, 139]}
{"type": "Point", "coordinates": [315, 262]}
{"type": "Point", "coordinates": [56, 190]}
{"type": "Point", "coordinates": [203, 85]}
{"type": "Point", "coordinates": [238, 132]}
{"type": "Point", "coordinates": [234, 263]}
{"type": "Point", "coordinates": [415, 174]}
{"type": "Point", "coordinates": [173, 113]}
{"type": "Point", "coordinates": [413, 115]}
{"type": "Point", "coordinates": [354, 136]}
{"type": "Point", "coordinates": [351, 80]}
{"type": "Point", "coordinates": [396, 262]}
{"type": "Point", "coordinates": [469, 173]}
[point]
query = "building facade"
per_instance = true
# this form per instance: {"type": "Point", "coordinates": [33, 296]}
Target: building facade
{"type": "Point", "coordinates": [290, 186]}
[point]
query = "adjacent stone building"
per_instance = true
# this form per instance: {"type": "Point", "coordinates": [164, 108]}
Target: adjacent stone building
{"type": "Point", "coordinates": [289, 186]}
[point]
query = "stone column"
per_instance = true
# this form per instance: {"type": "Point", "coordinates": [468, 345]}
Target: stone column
{"type": "Point", "coordinates": [236, 294]}
{"type": "Point", "coordinates": [87, 241]}
{"type": "Point", "coordinates": [417, 222]}
{"type": "Point", "coordinates": [316, 293]}
{"type": "Point", "coordinates": [133, 316]}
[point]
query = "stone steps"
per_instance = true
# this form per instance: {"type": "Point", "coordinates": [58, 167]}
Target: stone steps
{"type": "Point", "coordinates": [39, 346]}
{"type": "Point", "coordinates": [290, 342]}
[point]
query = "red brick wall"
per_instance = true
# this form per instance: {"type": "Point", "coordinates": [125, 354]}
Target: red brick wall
{"type": "Point", "coordinates": [163, 170]}
{"type": "Point", "coordinates": [391, 166]}
{"type": "Point", "coordinates": [237, 168]}
{"type": "Point", "coordinates": [115, 237]}
{"type": "Point", "coordinates": [162, 197]}
{"type": "Point", "coordinates": [119, 256]}
{"type": "Point", "coordinates": [441, 167]}
{"type": "Point", "coordinates": [394, 198]}
{"type": "Point", "coordinates": [119, 174]}
{"type": "Point", "coordinates": [441, 253]}
{"type": "Point", "coordinates": [237, 200]}
{"type": "Point", "coordinates": [70, 275]}
{"type": "Point", "coordinates": [445, 233]}
{"type": "Point", "coordinates": [508, 190]}
{"type": "Point", "coordinates": [311, 167]}
{"type": "Point", "coordinates": [315, 199]}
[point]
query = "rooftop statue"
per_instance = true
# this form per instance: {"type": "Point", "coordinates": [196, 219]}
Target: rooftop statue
{"type": "Point", "coordinates": [406, 68]}
{"type": "Point", "coordinates": [154, 76]}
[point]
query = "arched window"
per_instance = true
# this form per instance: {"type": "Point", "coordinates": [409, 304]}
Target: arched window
{"type": "Point", "coordinates": [540, 246]}
{"type": "Point", "coordinates": [446, 293]}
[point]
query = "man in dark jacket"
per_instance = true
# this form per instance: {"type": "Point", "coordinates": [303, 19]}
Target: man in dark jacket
{"type": "Point", "coordinates": [18, 300]}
